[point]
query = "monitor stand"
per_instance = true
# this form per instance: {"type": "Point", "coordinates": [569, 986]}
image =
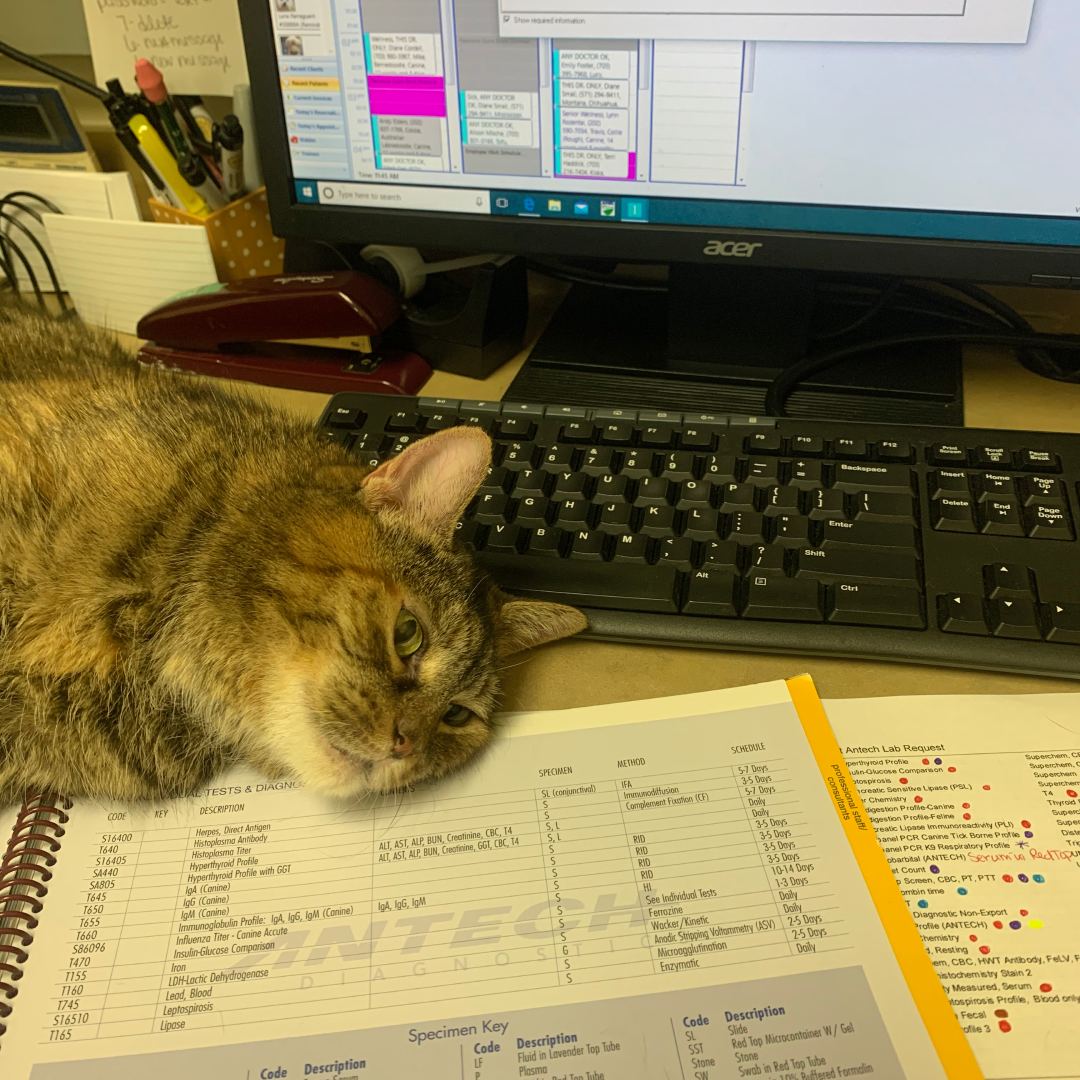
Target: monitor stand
{"type": "Point", "coordinates": [716, 339]}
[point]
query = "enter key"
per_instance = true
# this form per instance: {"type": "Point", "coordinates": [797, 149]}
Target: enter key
{"type": "Point", "coordinates": [871, 533]}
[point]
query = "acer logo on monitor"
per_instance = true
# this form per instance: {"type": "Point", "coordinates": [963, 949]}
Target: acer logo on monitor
{"type": "Point", "coordinates": [731, 249]}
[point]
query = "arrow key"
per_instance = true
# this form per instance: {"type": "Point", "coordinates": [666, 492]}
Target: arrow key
{"type": "Point", "coordinates": [962, 613]}
{"type": "Point", "coordinates": [1008, 581]}
{"type": "Point", "coordinates": [1015, 619]}
{"type": "Point", "coordinates": [1063, 623]}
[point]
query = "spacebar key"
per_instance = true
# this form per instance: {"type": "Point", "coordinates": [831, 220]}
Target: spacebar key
{"type": "Point", "coordinates": [585, 584]}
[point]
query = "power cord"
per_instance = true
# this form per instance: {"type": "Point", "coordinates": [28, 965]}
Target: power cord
{"type": "Point", "coordinates": [11, 206]}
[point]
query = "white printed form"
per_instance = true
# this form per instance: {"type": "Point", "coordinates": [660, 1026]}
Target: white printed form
{"type": "Point", "coordinates": [600, 897]}
{"type": "Point", "coordinates": [981, 21]}
{"type": "Point", "coordinates": [976, 801]}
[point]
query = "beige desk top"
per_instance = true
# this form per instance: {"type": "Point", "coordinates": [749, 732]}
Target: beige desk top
{"type": "Point", "coordinates": [998, 393]}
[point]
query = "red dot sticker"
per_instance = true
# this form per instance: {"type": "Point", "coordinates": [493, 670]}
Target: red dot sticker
{"type": "Point", "coordinates": [966, 805]}
{"type": "Point", "coordinates": [984, 949]}
{"type": "Point", "coordinates": [903, 779]}
{"type": "Point", "coordinates": [1045, 987]}
{"type": "Point", "coordinates": [1025, 824]}
{"type": "Point", "coordinates": [998, 924]}
{"type": "Point", "coordinates": [1070, 792]}
{"type": "Point", "coordinates": [918, 798]}
{"type": "Point", "coordinates": [926, 761]}
{"type": "Point", "coordinates": [1001, 1012]}
{"type": "Point", "coordinates": [1006, 877]}
{"type": "Point", "coordinates": [952, 768]}
{"type": "Point", "coordinates": [1005, 1025]}
{"type": "Point", "coordinates": [986, 787]}
{"type": "Point", "coordinates": [1023, 911]}
{"type": "Point", "coordinates": [967, 817]}
{"type": "Point", "coordinates": [973, 937]}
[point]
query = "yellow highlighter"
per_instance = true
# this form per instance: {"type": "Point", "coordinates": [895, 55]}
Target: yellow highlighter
{"type": "Point", "coordinates": [157, 153]}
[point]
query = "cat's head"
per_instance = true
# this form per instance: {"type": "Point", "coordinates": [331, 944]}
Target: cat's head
{"type": "Point", "coordinates": [384, 662]}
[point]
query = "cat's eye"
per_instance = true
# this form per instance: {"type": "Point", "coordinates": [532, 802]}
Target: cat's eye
{"type": "Point", "coordinates": [408, 633]}
{"type": "Point", "coordinates": [457, 716]}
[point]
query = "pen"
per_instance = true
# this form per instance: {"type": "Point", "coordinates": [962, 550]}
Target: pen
{"type": "Point", "coordinates": [192, 171]}
{"type": "Point", "coordinates": [193, 108]}
{"type": "Point", "coordinates": [229, 135]}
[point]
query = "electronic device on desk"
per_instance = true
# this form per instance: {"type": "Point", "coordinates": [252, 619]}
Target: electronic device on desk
{"type": "Point", "coordinates": [315, 332]}
{"type": "Point", "coordinates": [39, 129]}
{"type": "Point", "coordinates": [790, 211]}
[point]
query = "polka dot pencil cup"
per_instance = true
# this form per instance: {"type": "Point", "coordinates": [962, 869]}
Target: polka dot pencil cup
{"type": "Point", "coordinates": [241, 241]}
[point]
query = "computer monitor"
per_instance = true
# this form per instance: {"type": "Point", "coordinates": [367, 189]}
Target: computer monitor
{"type": "Point", "coordinates": [919, 138]}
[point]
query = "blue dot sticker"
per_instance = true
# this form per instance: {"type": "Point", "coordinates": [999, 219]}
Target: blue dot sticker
{"type": "Point", "coordinates": [1029, 834]}
{"type": "Point", "coordinates": [1038, 879]}
{"type": "Point", "coordinates": [962, 891]}
{"type": "Point", "coordinates": [924, 903]}
{"type": "Point", "coordinates": [937, 761]}
{"type": "Point", "coordinates": [1014, 925]}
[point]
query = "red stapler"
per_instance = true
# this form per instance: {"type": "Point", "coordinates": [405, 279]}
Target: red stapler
{"type": "Point", "coordinates": [300, 331]}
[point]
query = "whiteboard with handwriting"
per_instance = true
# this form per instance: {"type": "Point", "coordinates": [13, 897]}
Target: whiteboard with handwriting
{"type": "Point", "coordinates": [195, 44]}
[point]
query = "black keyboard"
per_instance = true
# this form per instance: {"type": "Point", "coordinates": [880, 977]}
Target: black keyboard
{"type": "Point", "coordinates": [948, 546]}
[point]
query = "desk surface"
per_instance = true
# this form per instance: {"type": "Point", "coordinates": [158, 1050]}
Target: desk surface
{"type": "Point", "coordinates": [998, 393]}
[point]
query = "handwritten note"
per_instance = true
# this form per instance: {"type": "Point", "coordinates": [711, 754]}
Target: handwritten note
{"type": "Point", "coordinates": [195, 44]}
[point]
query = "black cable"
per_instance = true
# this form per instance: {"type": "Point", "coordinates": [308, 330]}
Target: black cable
{"type": "Point", "coordinates": [48, 69]}
{"type": "Point", "coordinates": [791, 376]}
{"type": "Point", "coordinates": [4, 241]}
{"type": "Point", "coordinates": [42, 253]}
{"type": "Point", "coordinates": [585, 277]}
{"type": "Point", "coordinates": [885, 295]}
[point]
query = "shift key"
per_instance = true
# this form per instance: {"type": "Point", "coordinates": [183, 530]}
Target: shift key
{"type": "Point", "coordinates": [879, 566]}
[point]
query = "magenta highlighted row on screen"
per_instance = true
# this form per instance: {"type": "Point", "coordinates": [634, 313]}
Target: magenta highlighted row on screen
{"type": "Point", "coordinates": [407, 95]}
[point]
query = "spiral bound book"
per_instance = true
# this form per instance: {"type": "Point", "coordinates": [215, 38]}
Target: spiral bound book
{"type": "Point", "coordinates": [685, 887]}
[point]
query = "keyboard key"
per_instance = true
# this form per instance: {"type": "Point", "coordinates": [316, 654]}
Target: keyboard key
{"type": "Point", "coordinates": [569, 485]}
{"type": "Point", "coordinates": [441, 404]}
{"type": "Point", "coordinates": [810, 445]}
{"type": "Point", "coordinates": [532, 511]}
{"type": "Point", "coordinates": [518, 456]}
{"type": "Point", "coordinates": [339, 437]}
{"type": "Point", "coordinates": [806, 475]}
{"type": "Point", "coordinates": [711, 591]}
{"type": "Point", "coordinates": [993, 457]}
{"type": "Point", "coordinates": [791, 531]}
{"type": "Point", "coordinates": [504, 538]}
{"type": "Point", "coordinates": [945, 482]}
{"type": "Point", "coordinates": [735, 497]}
{"type": "Point", "coordinates": [587, 584]}
{"type": "Point", "coordinates": [773, 596]}
{"type": "Point", "coordinates": [631, 548]}
{"type": "Point", "coordinates": [956, 514]}
{"type": "Point", "coordinates": [764, 442]}
{"type": "Point", "coordinates": [702, 524]}
{"type": "Point", "coordinates": [962, 613]}
{"type": "Point", "coordinates": [1038, 461]}
{"type": "Point", "coordinates": [678, 465]}
{"type": "Point", "coordinates": [637, 464]}
{"type": "Point", "coordinates": [440, 421]}
{"type": "Point", "coordinates": [530, 482]}
{"type": "Point", "coordinates": [403, 420]}
{"type": "Point", "coordinates": [826, 504]}
{"type": "Point", "coordinates": [698, 437]}
{"type": "Point", "coordinates": [658, 521]}
{"type": "Point", "coordinates": [572, 513]}
{"type": "Point", "coordinates": [673, 418]}
{"type": "Point", "coordinates": [345, 416]}
{"type": "Point", "coordinates": [1014, 619]}
{"type": "Point", "coordinates": [882, 566]}
{"type": "Point", "coordinates": [860, 476]}
{"type": "Point", "coordinates": [893, 450]}
{"type": "Point", "coordinates": [947, 454]}
{"type": "Point", "coordinates": [722, 553]}
{"type": "Point", "coordinates": [693, 495]}
{"type": "Point", "coordinates": [498, 482]}
{"type": "Point", "coordinates": [474, 405]}
{"type": "Point", "coordinates": [612, 487]}
{"type": "Point", "coordinates": [1048, 520]}
{"type": "Point", "coordinates": [558, 457]}
{"type": "Point", "coordinates": [471, 534]}
{"type": "Point", "coordinates": [746, 527]}
{"type": "Point", "coordinates": [514, 427]}
{"type": "Point", "coordinates": [720, 468]}
{"type": "Point", "coordinates": [615, 518]}
{"type": "Point", "coordinates": [850, 448]}
{"type": "Point", "coordinates": [522, 408]}
{"type": "Point", "coordinates": [873, 533]}
{"type": "Point", "coordinates": [676, 551]}
{"type": "Point", "coordinates": [652, 491]}
{"type": "Point", "coordinates": [491, 509]}
{"type": "Point", "coordinates": [578, 431]}
{"type": "Point", "coordinates": [781, 501]}
{"type": "Point", "coordinates": [657, 434]}
{"type": "Point", "coordinates": [766, 557]}
{"type": "Point", "coordinates": [878, 506]}
{"type": "Point", "coordinates": [1008, 581]}
{"type": "Point", "coordinates": [598, 461]}
{"type": "Point", "coordinates": [1001, 484]}
{"type": "Point", "coordinates": [617, 433]}
{"type": "Point", "coordinates": [618, 414]}
{"type": "Point", "coordinates": [1034, 488]}
{"type": "Point", "coordinates": [544, 543]}
{"type": "Point", "coordinates": [861, 604]}
{"type": "Point", "coordinates": [587, 545]}
{"type": "Point", "coordinates": [763, 472]}
{"type": "Point", "coordinates": [570, 412]}
{"type": "Point", "coordinates": [1062, 623]}
{"type": "Point", "coordinates": [1000, 517]}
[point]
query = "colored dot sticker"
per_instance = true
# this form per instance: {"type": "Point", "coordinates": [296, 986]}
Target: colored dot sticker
{"type": "Point", "coordinates": [1025, 824]}
{"type": "Point", "coordinates": [1001, 1012]}
{"type": "Point", "coordinates": [1006, 878]}
{"type": "Point", "coordinates": [1038, 879]}
{"type": "Point", "coordinates": [952, 768]}
{"type": "Point", "coordinates": [1028, 833]}
{"type": "Point", "coordinates": [986, 787]}
{"type": "Point", "coordinates": [998, 924]}
{"type": "Point", "coordinates": [1070, 792]}
{"type": "Point", "coordinates": [1045, 987]}
{"type": "Point", "coordinates": [967, 817]}
{"type": "Point", "coordinates": [962, 891]}
{"type": "Point", "coordinates": [918, 798]}
{"type": "Point", "coordinates": [1014, 924]}
{"type": "Point", "coordinates": [1036, 924]}
{"type": "Point", "coordinates": [926, 761]}
{"type": "Point", "coordinates": [1023, 911]}
{"type": "Point", "coordinates": [937, 761]}
{"type": "Point", "coordinates": [973, 937]}
{"type": "Point", "coordinates": [1005, 1026]}
{"type": "Point", "coordinates": [935, 869]}
{"type": "Point", "coordinates": [1023, 878]}
{"type": "Point", "coordinates": [924, 903]}
{"type": "Point", "coordinates": [966, 805]}
{"type": "Point", "coordinates": [984, 949]}
{"type": "Point", "coordinates": [903, 779]}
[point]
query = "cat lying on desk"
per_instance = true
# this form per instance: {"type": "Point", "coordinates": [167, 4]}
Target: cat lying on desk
{"type": "Point", "coordinates": [190, 579]}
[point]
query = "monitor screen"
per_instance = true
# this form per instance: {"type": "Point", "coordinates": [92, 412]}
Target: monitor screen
{"type": "Point", "coordinates": [903, 118]}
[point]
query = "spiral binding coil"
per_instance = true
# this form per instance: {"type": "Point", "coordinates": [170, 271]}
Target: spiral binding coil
{"type": "Point", "coordinates": [24, 876]}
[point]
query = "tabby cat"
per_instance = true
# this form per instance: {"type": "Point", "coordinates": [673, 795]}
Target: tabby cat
{"type": "Point", "coordinates": [189, 579]}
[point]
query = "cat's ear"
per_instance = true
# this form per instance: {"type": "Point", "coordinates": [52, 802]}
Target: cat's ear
{"type": "Point", "coordinates": [433, 480]}
{"type": "Point", "coordinates": [521, 624]}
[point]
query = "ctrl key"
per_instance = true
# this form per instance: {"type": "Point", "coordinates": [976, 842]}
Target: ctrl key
{"type": "Point", "coordinates": [962, 613]}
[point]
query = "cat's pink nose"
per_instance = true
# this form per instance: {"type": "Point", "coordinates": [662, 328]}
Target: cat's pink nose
{"type": "Point", "coordinates": [403, 745]}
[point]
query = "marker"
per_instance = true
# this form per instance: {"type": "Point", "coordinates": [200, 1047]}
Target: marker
{"type": "Point", "coordinates": [242, 106]}
{"type": "Point", "coordinates": [203, 121]}
{"type": "Point", "coordinates": [204, 147]}
{"type": "Point", "coordinates": [150, 142]}
{"type": "Point", "coordinates": [192, 171]}
{"type": "Point", "coordinates": [152, 84]}
{"type": "Point", "coordinates": [229, 135]}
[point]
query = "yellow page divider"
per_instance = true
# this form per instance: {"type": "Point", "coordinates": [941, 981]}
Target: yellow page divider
{"type": "Point", "coordinates": [957, 1057]}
